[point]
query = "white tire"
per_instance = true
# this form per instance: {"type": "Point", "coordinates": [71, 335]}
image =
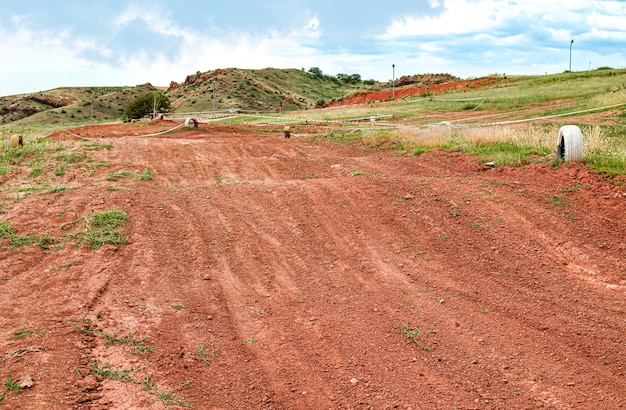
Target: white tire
{"type": "Point", "coordinates": [16, 141]}
{"type": "Point", "coordinates": [191, 120]}
{"type": "Point", "coordinates": [570, 144]}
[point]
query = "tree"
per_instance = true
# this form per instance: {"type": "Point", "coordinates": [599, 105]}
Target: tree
{"type": "Point", "coordinates": [147, 104]}
{"type": "Point", "coordinates": [349, 79]}
{"type": "Point", "coordinates": [354, 78]}
{"type": "Point", "coordinates": [316, 71]}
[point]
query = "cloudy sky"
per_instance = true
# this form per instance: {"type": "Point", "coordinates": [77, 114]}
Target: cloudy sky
{"type": "Point", "coordinates": [48, 44]}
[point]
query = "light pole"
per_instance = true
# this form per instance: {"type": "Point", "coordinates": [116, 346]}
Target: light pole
{"type": "Point", "coordinates": [393, 81]}
{"type": "Point", "coordinates": [570, 56]}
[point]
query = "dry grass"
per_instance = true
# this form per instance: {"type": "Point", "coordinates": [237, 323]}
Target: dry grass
{"type": "Point", "coordinates": [532, 136]}
{"type": "Point", "coordinates": [439, 135]}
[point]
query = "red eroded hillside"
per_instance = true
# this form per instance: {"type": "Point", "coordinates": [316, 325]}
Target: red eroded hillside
{"type": "Point", "coordinates": [456, 85]}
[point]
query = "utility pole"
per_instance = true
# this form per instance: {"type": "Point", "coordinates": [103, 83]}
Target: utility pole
{"type": "Point", "coordinates": [393, 81]}
{"type": "Point", "coordinates": [154, 106]}
{"type": "Point", "coordinates": [570, 56]}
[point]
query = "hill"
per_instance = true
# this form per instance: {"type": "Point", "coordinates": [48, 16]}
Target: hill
{"type": "Point", "coordinates": [266, 90]}
{"type": "Point", "coordinates": [222, 89]}
{"type": "Point", "coordinates": [259, 90]}
{"type": "Point", "coordinates": [68, 105]}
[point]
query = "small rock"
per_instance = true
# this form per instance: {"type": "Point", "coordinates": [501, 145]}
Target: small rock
{"type": "Point", "coordinates": [354, 380]}
{"type": "Point", "coordinates": [207, 277]}
{"type": "Point", "coordinates": [26, 382]}
{"type": "Point", "coordinates": [490, 164]}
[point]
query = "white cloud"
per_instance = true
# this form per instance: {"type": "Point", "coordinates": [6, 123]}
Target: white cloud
{"type": "Point", "coordinates": [155, 20]}
{"type": "Point", "coordinates": [458, 17]}
{"type": "Point", "coordinates": [483, 16]}
{"type": "Point", "coordinates": [310, 30]}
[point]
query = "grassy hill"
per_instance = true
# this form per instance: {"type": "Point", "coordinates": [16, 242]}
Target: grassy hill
{"type": "Point", "coordinates": [256, 90]}
{"type": "Point", "coordinates": [68, 105]}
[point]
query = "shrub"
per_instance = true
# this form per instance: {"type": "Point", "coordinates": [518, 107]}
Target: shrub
{"type": "Point", "coordinates": [147, 104]}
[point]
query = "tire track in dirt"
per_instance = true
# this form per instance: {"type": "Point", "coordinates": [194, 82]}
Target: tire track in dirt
{"type": "Point", "coordinates": [333, 270]}
{"type": "Point", "coordinates": [533, 238]}
{"type": "Point", "coordinates": [188, 307]}
{"type": "Point", "coordinates": [248, 318]}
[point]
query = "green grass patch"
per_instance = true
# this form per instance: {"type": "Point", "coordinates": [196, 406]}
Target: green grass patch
{"type": "Point", "coordinates": [87, 327]}
{"type": "Point", "coordinates": [607, 163]}
{"type": "Point", "coordinates": [22, 332]}
{"type": "Point", "coordinates": [502, 153]}
{"type": "Point", "coordinates": [204, 353]}
{"type": "Point", "coordinates": [36, 169]}
{"type": "Point", "coordinates": [114, 176]}
{"type": "Point", "coordinates": [417, 151]}
{"type": "Point", "coordinates": [10, 235]}
{"type": "Point", "coordinates": [137, 346]}
{"type": "Point", "coordinates": [94, 146]}
{"type": "Point", "coordinates": [106, 371]}
{"type": "Point", "coordinates": [11, 385]}
{"type": "Point", "coordinates": [60, 170]}
{"type": "Point", "coordinates": [33, 151]}
{"type": "Point", "coordinates": [557, 200]}
{"type": "Point", "coordinates": [167, 398]}
{"type": "Point", "coordinates": [146, 175]}
{"type": "Point", "coordinates": [102, 229]}
{"type": "Point", "coordinates": [73, 158]}
{"type": "Point", "coordinates": [339, 137]}
{"type": "Point", "coordinates": [414, 334]}
{"type": "Point", "coordinates": [83, 325]}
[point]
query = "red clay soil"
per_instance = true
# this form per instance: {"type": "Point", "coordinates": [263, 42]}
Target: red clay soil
{"type": "Point", "coordinates": [383, 95]}
{"type": "Point", "coordinates": [273, 273]}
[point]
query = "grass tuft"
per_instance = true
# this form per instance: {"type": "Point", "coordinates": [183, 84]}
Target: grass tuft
{"type": "Point", "coordinates": [23, 332]}
{"type": "Point", "coordinates": [413, 333]}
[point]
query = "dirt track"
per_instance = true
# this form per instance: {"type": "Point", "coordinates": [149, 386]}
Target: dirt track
{"type": "Point", "coordinates": [319, 276]}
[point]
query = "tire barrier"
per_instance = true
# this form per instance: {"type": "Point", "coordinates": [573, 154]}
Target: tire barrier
{"type": "Point", "coordinates": [191, 120]}
{"type": "Point", "coordinates": [570, 144]}
{"type": "Point", "coordinates": [16, 140]}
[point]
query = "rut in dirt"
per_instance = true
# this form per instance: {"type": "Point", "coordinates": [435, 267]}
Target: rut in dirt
{"type": "Point", "coordinates": [317, 275]}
